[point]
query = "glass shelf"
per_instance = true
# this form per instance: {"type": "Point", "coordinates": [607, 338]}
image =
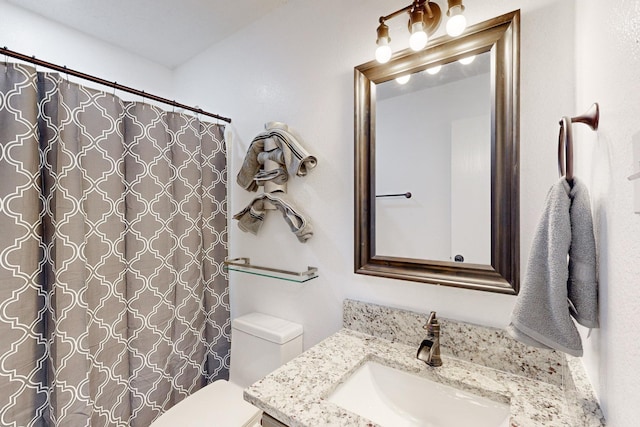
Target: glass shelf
{"type": "Point", "coordinates": [243, 265]}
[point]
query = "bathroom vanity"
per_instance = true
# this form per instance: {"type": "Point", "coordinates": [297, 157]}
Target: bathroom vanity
{"type": "Point", "coordinates": [537, 387]}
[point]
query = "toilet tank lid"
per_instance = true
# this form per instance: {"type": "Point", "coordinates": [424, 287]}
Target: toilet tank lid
{"type": "Point", "coordinates": [267, 327]}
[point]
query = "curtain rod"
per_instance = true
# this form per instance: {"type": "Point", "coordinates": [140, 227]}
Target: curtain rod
{"type": "Point", "coordinates": [115, 85]}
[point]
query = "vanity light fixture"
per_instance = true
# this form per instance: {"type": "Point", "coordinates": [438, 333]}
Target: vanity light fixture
{"type": "Point", "coordinates": [383, 52]}
{"type": "Point", "coordinates": [456, 22]}
{"type": "Point", "coordinates": [419, 37]}
{"type": "Point", "coordinates": [424, 19]}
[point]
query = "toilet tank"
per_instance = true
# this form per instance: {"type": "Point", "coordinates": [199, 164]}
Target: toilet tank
{"type": "Point", "coordinates": [260, 344]}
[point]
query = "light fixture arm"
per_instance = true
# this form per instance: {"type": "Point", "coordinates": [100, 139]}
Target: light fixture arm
{"type": "Point", "coordinates": [396, 13]}
{"type": "Point", "coordinates": [431, 17]}
{"type": "Point", "coordinates": [427, 9]}
{"type": "Point", "coordinates": [416, 5]}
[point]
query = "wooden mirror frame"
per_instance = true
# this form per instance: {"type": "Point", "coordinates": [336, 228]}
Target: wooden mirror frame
{"type": "Point", "coordinates": [501, 37]}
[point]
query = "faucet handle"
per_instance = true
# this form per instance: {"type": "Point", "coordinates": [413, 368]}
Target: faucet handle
{"type": "Point", "coordinates": [431, 320]}
{"type": "Point", "coordinates": [432, 317]}
{"type": "Point", "coordinates": [432, 325]}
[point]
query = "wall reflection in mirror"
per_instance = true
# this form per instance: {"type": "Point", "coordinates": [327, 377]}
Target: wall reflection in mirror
{"type": "Point", "coordinates": [435, 128]}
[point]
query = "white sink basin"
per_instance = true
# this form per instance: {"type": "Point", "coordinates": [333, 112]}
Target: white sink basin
{"type": "Point", "coordinates": [394, 398]}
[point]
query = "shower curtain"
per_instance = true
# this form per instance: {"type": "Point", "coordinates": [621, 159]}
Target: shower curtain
{"type": "Point", "coordinates": [113, 302]}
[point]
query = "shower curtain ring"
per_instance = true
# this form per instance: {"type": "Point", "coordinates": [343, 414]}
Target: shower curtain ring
{"type": "Point", "coordinates": [35, 64]}
{"type": "Point", "coordinates": [115, 84]}
{"type": "Point", "coordinates": [66, 71]}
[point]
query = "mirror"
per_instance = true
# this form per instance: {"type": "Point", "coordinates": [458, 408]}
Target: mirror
{"type": "Point", "coordinates": [450, 150]}
{"type": "Point", "coordinates": [437, 162]}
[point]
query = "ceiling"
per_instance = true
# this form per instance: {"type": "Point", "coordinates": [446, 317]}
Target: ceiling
{"type": "Point", "coordinates": [168, 32]}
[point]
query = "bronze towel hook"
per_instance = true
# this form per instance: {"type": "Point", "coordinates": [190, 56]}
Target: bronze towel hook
{"type": "Point", "coordinates": [565, 138]}
{"type": "Point", "coordinates": [565, 156]}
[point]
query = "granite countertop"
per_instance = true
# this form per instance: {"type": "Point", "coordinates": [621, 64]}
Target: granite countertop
{"type": "Point", "coordinates": [296, 394]}
{"type": "Point", "coordinates": [543, 387]}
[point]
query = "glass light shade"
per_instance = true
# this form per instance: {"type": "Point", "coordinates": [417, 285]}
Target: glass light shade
{"type": "Point", "coordinates": [457, 22]}
{"type": "Point", "coordinates": [419, 38]}
{"type": "Point", "coordinates": [468, 60]}
{"type": "Point", "coordinates": [434, 70]}
{"type": "Point", "coordinates": [383, 53]}
{"type": "Point", "coordinates": [403, 79]}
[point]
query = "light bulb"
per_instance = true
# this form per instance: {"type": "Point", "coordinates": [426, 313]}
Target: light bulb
{"type": "Point", "coordinates": [403, 79]}
{"type": "Point", "coordinates": [383, 53]}
{"type": "Point", "coordinates": [457, 22]}
{"type": "Point", "coordinates": [419, 38]}
{"type": "Point", "coordinates": [468, 60]}
{"type": "Point", "coordinates": [434, 70]}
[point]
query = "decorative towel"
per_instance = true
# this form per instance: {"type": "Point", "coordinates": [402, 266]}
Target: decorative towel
{"type": "Point", "coordinates": [251, 218]}
{"type": "Point", "coordinates": [277, 176]}
{"type": "Point", "coordinates": [543, 310]}
{"type": "Point", "coordinates": [292, 155]}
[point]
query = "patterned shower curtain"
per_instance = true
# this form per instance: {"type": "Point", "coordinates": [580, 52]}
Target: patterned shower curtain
{"type": "Point", "coordinates": [113, 302]}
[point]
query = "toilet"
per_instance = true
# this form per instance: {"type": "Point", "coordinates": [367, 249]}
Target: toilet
{"type": "Point", "coordinates": [259, 344]}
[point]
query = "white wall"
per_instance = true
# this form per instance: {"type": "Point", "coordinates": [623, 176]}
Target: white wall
{"type": "Point", "coordinates": [408, 156]}
{"type": "Point", "coordinates": [30, 34]}
{"type": "Point", "coordinates": [296, 65]}
{"type": "Point", "coordinates": [607, 64]}
{"type": "Point", "coordinates": [471, 189]}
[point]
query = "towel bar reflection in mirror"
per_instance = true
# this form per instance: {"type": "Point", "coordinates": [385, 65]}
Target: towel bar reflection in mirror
{"type": "Point", "coordinates": [244, 265]}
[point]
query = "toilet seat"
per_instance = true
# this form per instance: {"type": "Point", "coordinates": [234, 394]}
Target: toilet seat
{"type": "Point", "coordinates": [220, 404]}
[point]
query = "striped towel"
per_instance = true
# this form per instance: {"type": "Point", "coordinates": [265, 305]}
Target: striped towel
{"type": "Point", "coordinates": [294, 158]}
{"type": "Point", "coordinates": [251, 218]}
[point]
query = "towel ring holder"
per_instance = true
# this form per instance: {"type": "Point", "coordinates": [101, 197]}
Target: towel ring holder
{"type": "Point", "coordinates": [565, 139]}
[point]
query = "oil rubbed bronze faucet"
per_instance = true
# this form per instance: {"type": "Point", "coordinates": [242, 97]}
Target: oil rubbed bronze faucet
{"type": "Point", "coordinates": [429, 351]}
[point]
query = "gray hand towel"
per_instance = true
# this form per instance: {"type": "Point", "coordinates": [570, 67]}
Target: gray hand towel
{"type": "Point", "coordinates": [582, 285]}
{"type": "Point", "coordinates": [542, 314]}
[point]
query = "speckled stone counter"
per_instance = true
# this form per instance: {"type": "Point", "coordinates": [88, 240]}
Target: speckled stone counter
{"type": "Point", "coordinates": [296, 394]}
{"type": "Point", "coordinates": [486, 346]}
